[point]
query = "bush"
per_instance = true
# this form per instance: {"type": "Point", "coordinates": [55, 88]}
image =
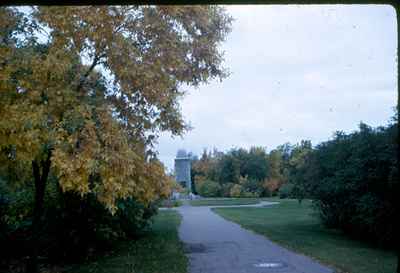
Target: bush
{"type": "Point", "coordinates": [236, 190]}
{"type": "Point", "coordinates": [134, 217]}
{"type": "Point", "coordinates": [285, 191]}
{"type": "Point", "coordinates": [15, 220]}
{"type": "Point", "coordinates": [168, 203]}
{"type": "Point", "coordinates": [265, 193]}
{"type": "Point", "coordinates": [248, 194]}
{"type": "Point", "coordinates": [73, 228]}
{"type": "Point", "coordinates": [4, 203]}
{"type": "Point", "coordinates": [354, 183]}
{"type": "Point", "coordinates": [226, 189]}
{"type": "Point", "coordinates": [209, 188]}
{"type": "Point", "coordinates": [177, 203]}
{"type": "Point", "coordinates": [81, 226]}
{"type": "Point", "coordinates": [251, 187]}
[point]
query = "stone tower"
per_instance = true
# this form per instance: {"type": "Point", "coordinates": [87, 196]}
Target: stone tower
{"type": "Point", "coordinates": [182, 169]}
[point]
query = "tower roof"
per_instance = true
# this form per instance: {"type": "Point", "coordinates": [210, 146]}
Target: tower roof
{"type": "Point", "coordinates": [181, 154]}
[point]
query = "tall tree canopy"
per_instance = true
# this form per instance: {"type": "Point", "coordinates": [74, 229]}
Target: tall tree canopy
{"type": "Point", "coordinates": [85, 91]}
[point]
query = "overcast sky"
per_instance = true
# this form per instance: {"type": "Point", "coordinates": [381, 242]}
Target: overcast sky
{"type": "Point", "coordinates": [297, 72]}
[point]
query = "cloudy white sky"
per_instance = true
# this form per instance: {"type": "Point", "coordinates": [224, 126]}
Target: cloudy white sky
{"type": "Point", "coordinates": [297, 72]}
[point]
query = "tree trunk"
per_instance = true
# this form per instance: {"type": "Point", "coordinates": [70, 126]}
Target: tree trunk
{"type": "Point", "coordinates": [40, 173]}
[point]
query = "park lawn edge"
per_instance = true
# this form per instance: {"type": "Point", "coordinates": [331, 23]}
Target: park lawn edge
{"type": "Point", "coordinates": [224, 201]}
{"type": "Point", "coordinates": [166, 223]}
{"type": "Point", "coordinates": [286, 244]}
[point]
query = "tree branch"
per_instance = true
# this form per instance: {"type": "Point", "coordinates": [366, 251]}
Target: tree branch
{"type": "Point", "coordinates": [92, 66]}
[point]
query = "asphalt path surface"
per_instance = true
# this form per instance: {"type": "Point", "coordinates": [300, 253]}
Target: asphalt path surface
{"type": "Point", "coordinates": [216, 245]}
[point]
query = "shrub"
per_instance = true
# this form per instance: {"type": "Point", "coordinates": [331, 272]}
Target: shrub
{"type": "Point", "coordinates": [15, 220]}
{"type": "Point", "coordinates": [177, 203]}
{"type": "Point", "coordinates": [168, 203]}
{"type": "Point", "coordinates": [226, 189]}
{"type": "Point", "coordinates": [251, 187]}
{"type": "Point", "coordinates": [236, 190]}
{"type": "Point", "coordinates": [265, 193]}
{"type": "Point", "coordinates": [272, 184]}
{"type": "Point", "coordinates": [73, 227]}
{"type": "Point", "coordinates": [209, 188]}
{"type": "Point", "coordinates": [285, 191]}
{"type": "Point", "coordinates": [249, 194]}
{"type": "Point", "coordinates": [134, 217]}
{"type": "Point", "coordinates": [354, 183]}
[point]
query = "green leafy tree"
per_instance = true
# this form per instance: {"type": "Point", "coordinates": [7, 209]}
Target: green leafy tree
{"type": "Point", "coordinates": [255, 164]}
{"type": "Point", "coordinates": [276, 175]}
{"type": "Point", "coordinates": [228, 168]}
{"type": "Point", "coordinates": [297, 169]}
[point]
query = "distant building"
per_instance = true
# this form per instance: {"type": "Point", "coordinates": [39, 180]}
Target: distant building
{"type": "Point", "coordinates": [182, 169]}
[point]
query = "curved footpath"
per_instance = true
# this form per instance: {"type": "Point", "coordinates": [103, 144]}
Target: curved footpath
{"type": "Point", "coordinates": [215, 245]}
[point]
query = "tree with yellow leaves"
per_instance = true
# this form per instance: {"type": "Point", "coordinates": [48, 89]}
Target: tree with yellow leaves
{"type": "Point", "coordinates": [85, 91]}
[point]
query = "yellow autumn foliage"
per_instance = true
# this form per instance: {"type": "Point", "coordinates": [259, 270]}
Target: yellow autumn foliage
{"type": "Point", "coordinates": [88, 89]}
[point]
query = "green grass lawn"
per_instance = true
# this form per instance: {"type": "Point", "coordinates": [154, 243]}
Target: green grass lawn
{"type": "Point", "coordinates": [224, 201]}
{"type": "Point", "coordinates": [170, 203]}
{"type": "Point", "coordinates": [292, 225]}
{"type": "Point", "coordinates": [160, 251]}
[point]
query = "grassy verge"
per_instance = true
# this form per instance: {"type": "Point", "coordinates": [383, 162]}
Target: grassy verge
{"type": "Point", "coordinates": [292, 225]}
{"type": "Point", "coordinates": [224, 201]}
{"type": "Point", "coordinates": [170, 203]}
{"type": "Point", "coordinates": [160, 251]}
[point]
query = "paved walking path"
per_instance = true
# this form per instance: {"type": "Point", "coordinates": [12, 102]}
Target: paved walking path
{"type": "Point", "coordinates": [215, 245]}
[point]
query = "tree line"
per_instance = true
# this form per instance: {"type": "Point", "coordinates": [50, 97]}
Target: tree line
{"type": "Point", "coordinates": [351, 178]}
{"type": "Point", "coordinates": [241, 172]}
